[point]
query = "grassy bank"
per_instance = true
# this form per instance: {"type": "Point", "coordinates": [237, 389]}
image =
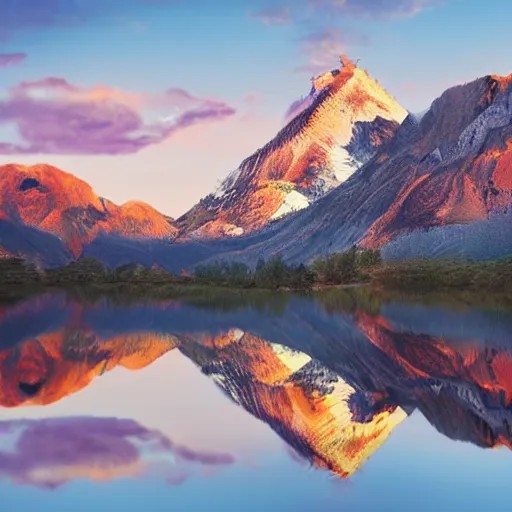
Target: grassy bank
{"type": "Point", "coordinates": [444, 275]}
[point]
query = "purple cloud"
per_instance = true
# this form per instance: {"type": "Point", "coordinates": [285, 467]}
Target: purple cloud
{"type": "Point", "coordinates": [215, 459]}
{"type": "Point", "coordinates": [274, 15]}
{"type": "Point", "coordinates": [252, 98]}
{"type": "Point", "coordinates": [321, 49]}
{"type": "Point", "coordinates": [49, 82]}
{"type": "Point", "coordinates": [48, 453]}
{"type": "Point", "coordinates": [11, 59]}
{"type": "Point", "coordinates": [72, 120]}
{"type": "Point", "coordinates": [177, 480]}
{"type": "Point", "coordinates": [180, 96]}
{"type": "Point", "coordinates": [376, 9]}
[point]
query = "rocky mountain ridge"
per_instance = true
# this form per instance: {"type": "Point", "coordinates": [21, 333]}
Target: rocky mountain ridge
{"type": "Point", "coordinates": [331, 133]}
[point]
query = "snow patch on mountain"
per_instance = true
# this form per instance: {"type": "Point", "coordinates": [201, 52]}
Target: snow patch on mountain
{"type": "Point", "coordinates": [237, 334]}
{"type": "Point", "coordinates": [292, 359]}
{"type": "Point", "coordinates": [293, 202]}
{"type": "Point", "coordinates": [343, 164]}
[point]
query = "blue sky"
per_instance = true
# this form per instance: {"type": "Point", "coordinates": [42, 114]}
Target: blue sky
{"type": "Point", "coordinates": [249, 60]}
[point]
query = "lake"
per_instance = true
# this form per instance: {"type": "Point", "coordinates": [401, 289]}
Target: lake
{"type": "Point", "coordinates": [255, 401]}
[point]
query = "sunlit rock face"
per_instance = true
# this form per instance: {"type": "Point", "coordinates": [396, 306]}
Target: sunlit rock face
{"type": "Point", "coordinates": [329, 134]}
{"type": "Point", "coordinates": [461, 163]}
{"type": "Point", "coordinates": [55, 202]}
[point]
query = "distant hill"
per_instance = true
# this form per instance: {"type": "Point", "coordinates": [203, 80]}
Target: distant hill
{"type": "Point", "coordinates": [52, 214]}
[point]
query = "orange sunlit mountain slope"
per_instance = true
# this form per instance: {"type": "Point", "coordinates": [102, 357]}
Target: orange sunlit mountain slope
{"type": "Point", "coordinates": [330, 134]}
{"type": "Point", "coordinates": [351, 167]}
{"type": "Point", "coordinates": [440, 187]}
{"type": "Point", "coordinates": [44, 197]}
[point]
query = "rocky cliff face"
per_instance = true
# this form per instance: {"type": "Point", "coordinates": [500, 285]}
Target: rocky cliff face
{"type": "Point", "coordinates": [58, 203]}
{"type": "Point", "coordinates": [461, 160]}
{"type": "Point", "coordinates": [441, 187]}
{"type": "Point", "coordinates": [332, 132]}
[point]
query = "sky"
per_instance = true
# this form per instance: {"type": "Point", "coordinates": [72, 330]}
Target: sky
{"type": "Point", "coordinates": [158, 100]}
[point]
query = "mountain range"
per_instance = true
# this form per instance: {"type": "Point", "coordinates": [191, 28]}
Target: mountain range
{"type": "Point", "coordinates": [351, 167]}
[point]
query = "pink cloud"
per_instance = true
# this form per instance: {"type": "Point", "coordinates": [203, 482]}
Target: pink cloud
{"type": "Point", "coordinates": [321, 49]}
{"type": "Point", "coordinates": [49, 453]}
{"type": "Point", "coordinates": [11, 59]}
{"type": "Point", "coordinates": [408, 87]}
{"type": "Point", "coordinates": [53, 116]}
{"type": "Point", "coordinates": [274, 15]}
{"type": "Point", "coordinates": [49, 82]}
{"type": "Point", "coordinates": [180, 96]}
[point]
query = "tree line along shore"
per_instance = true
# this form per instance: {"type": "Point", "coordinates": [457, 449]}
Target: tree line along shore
{"type": "Point", "coordinates": [353, 267]}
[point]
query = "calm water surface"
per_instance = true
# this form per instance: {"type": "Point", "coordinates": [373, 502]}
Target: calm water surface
{"type": "Point", "coordinates": [277, 402]}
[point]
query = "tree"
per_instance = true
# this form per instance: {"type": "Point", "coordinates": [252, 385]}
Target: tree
{"type": "Point", "coordinates": [272, 274]}
{"type": "Point", "coordinates": [337, 268]}
{"type": "Point", "coordinates": [367, 258]}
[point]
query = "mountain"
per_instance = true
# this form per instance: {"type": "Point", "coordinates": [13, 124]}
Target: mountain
{"type": "Point", "coordinates": [42, 200]}
{"type": "Point", "coordinates": [474, 408]}
{"type": "Point", "coordinates": [437, 185]}
{"type": "Point", "coordinates": [441, 187]}
{"type": "Point", "coordinates": [330, 133]}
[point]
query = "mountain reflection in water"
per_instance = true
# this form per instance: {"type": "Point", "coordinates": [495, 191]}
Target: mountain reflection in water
{"type": "Point", "coordinates": [332, 375]}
